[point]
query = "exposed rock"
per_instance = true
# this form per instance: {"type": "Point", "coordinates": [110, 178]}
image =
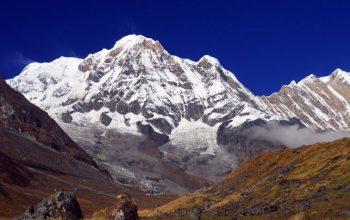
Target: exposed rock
{"type": "Point", "coordinates": [147, 113]}
{"type": "Point", "coordinates": [105, 119]}
{"type": "Point", "coordinates": [195, 110]}
{"type": "Point", "coordinates": [124, 209]}
{"type": "Point", "coordinates": [147, 130]}
{"type": "Point", "coordinates": [287, 169]}
{"type": "Point", "coordinates": [86, 65]}
{"type": "Point", "coordinates": [162, 124]}
{"type": "Point", "coordinates": [66, 117]}
{"type": "Point", "coordinates": [95, 76]}
{"type": "Point", "coordinates": [113, 53]}
{"type": "Point", "coordinates": [6, 111]}
{"type": "Point", "coordinates": [122, 108]}
{"type": "Point", "coordinates": [205, 64]}
{"type": "Point", "coordinates": [69, 101]}
{"type": "Point", "coordinates": [112, 105]}
{"type": "Point", "coordinates": [270, 208]}
{"type": "Point", "coordinates": [61, 205]}
{"type": "Point", "coordinates": [97, 104]}
{"type": "Point", "coordinates": [83, 106]}
{"type": "Point", "coordinates": [135, 107]}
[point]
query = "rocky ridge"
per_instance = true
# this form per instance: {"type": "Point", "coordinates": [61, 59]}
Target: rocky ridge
{"type": "Point", "coordinates": [320, 103]}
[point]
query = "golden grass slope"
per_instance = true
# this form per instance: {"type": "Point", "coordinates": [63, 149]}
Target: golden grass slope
{"type": "Point", "coordinates": [312, 182]}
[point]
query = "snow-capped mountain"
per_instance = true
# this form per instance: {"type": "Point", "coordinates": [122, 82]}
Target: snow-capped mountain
{"type": "Point", "coordinates": [152, 119]}
{"type": "Point", "coordinates": [320, 103]}
{"type": "Point", "coordinates": [136, 80]}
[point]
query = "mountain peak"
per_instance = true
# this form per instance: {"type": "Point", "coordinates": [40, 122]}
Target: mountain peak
{"type": "Point", "coordinates": [131, 41]}
{"type": "Point", "coordinates": [292, 83]}
{"type": "Point", "coordinates": [209, 59]}
{"type": "Point", "coordinates": [341, 75]}
{"type": "Point", "coordinates": [337, 71]}
{"type": "Point", "coordinates": [208, 62]}
{"type": "Point", "coordinates": [309, 79]}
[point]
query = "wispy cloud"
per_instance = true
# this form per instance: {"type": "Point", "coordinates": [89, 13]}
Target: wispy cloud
{"type": "Point", "coordinates": [18, 58]}
{"type": "Point", "coordinates": [293, 136]}
{"type": "Point", "coordinates": [65, 51]}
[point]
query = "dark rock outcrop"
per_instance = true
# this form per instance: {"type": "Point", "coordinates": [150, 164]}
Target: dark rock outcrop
{"type": "Point", "coordinates": [195, 110]}
{"type": "Point", "coordinates": [66, 117]}
{"type": "Point", "coordinates": [124, 209]}
{"type": "Point", "coordinates": [147, 130]}
{"type": "Point", "coordinates": [61, 205]}
{"type": "Point", "coordinates": [105, 119]}
{"type": "Point", "coordinates": [135, 107]}
{"type": "Point", "coordinates": [162, 124]}
{"type": "Point", "coordinates": [123, 108]}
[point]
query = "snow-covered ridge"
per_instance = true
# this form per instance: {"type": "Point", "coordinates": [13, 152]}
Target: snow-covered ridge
{"type": "Point", "coordinates": [149, 77]}
{"type": "Point", "coordinates": [139, 77]}
{"type": "Point", "coordinates": [319, 102]}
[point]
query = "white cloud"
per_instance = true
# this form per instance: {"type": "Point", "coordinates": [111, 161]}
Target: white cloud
{"type": "Point", "coordinates": [19, 59]}
{"type": "Point", "coordinates": [293, 136]}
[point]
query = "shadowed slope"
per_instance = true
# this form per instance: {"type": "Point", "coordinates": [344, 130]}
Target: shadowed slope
{"type": "Point", "coordinates": [36, 157]}
{"type": "Point", "coordinates": [17, 113]}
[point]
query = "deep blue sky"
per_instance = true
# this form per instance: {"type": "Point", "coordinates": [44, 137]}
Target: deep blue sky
{"type": "Point", "coordinates": [264, 43]}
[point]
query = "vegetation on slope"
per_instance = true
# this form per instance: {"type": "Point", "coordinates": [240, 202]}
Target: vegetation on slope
{"type": "Point", "coordinates": [311, 181]}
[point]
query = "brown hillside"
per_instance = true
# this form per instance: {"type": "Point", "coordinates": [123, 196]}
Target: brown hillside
{"type": "Point", "coordinates": [312, 182]}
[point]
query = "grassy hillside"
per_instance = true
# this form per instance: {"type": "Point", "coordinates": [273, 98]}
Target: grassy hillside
{"type": "Point", "coordinates": [312, 182]}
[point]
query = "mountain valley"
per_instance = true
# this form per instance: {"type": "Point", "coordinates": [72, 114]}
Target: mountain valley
{"type": "Point", "coordinates": [135, 119]}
